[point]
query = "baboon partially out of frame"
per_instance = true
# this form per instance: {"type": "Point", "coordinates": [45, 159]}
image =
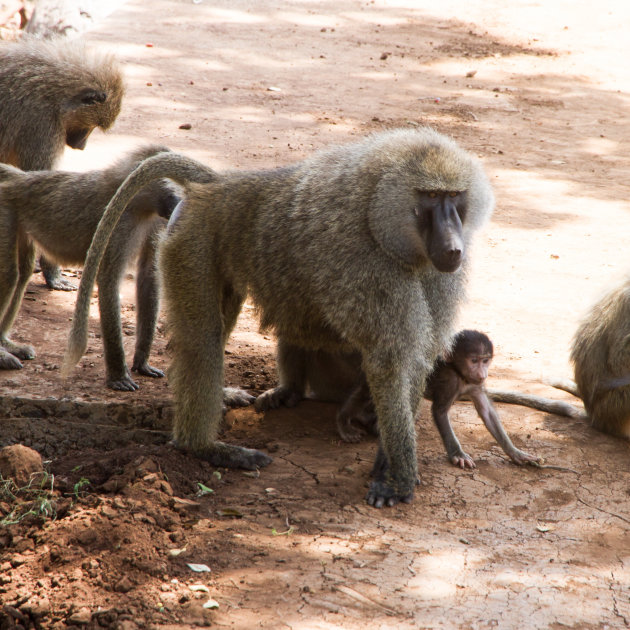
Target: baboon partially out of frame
{"type": "Point", "coordinates": [360, 249]}
{"type": "Point", "coordinates": [600, 354]}
{"type": "Point", "coordinates": [60, 211]}
{"type": "Point", "coordinates": [53, 93]}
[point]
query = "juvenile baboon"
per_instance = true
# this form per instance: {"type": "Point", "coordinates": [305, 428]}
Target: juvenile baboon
{"type": "Point", "coordinates": [60, 211]}
{"type": "Point", "coordinates": [53, 93]}
{"type": "Point", "coordinates": [360, 250]}
{"type": "Point", "coordinates": [462, 371]}
{"type": "Point", "coordinates": [600, 354]}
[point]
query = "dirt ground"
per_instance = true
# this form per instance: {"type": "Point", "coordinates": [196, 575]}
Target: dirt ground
{"type": "Point", "coordinates": [540, 91]}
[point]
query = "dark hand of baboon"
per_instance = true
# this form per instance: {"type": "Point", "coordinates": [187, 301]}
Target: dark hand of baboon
{"type": "Point", "coordinates": [358, 251]}
{"type": "Point", "coordinates": [463, 372]}
{"type": "Point", "coordinates": [357, 416]}
{"type": "Point", "coordinates": [59, 211]}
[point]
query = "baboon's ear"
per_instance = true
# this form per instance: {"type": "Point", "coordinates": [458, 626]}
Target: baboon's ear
{"type": "Point", "coordinates": [90, 97]}
{"type": "Point", "coordinates": [393, 221]}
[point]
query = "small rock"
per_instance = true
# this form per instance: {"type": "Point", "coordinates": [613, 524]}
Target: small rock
{"type": "Point", "coordinates": [18, 462]}
{"type": "Point", "coordinates": [178, 503]}
{"type": "Point", "coordinates": [109, 511]}
{"type": "Point", "coordinates": [166, 488]}
{"type": "Point", "coordinates": [17, 560]}
{"type": "Point", "coordinates": [124, 585]}
{"type": "Point", "coordinates": [37, 607]}
{"type": "Point", "coordinates": [81, 617]}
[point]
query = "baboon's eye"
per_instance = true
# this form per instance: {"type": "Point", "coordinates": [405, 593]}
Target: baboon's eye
{"type": "Point", "coordinates": [433, 194]}
{"type": "Point", "coordinates": [453, 194]}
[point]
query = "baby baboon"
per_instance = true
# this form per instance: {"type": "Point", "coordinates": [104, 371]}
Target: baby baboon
{"type": "Point", "coordinates": [462, 372]}
{"type": "Point", "coordinates": [601, 360]}
{"type": "Point", "coordinates": [60, 211]}
{"type": "Point", "coordinates": [53, 93]}
{"type": "Point", "coordinates": [360, 249]}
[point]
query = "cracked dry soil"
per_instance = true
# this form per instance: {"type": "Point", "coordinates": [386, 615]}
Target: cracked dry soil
{"type": "Point", "coordinates": [540, 92]}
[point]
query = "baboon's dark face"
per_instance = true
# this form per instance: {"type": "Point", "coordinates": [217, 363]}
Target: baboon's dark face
{"type": "Point", "coordinates": [439, 216]}
{"type": "Point", "coordinates": [90, 109]}
{"type": "Point", "coordinates": [77, 138]}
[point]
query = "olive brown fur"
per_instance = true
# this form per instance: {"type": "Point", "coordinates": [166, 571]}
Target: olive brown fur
{"type": "Point", "coordinates": [340, 253]}
{"type": "Point", "coordinates": [600, 353]}
{"type": "Point", "coordinates": [60, 211]}
{"type": "Point", "coordinates": [53, 93]}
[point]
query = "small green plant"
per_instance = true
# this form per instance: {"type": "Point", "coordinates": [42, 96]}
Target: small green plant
{"type": "Point", "coordinates": [202, 489]}
{"type": "Point", "coordinates": [35, 499]}
{"type": "Point", "coordinates": [288, 532]}
{"type": "Point", "coordinates": [79, 486]}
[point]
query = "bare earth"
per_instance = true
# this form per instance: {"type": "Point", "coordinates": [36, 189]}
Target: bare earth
{"type": "Point", "coordinates": [540, 91]}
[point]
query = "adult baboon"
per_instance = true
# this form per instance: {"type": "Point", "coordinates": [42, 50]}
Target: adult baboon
{"type": "Point", "coordinates": [53, 93]}
{"type": "Point", "coordinates": [359, 249]}
{"type": "Point", "coordinates": [60, 211]}
{"type": "Point", "coordinates": [601, 361]}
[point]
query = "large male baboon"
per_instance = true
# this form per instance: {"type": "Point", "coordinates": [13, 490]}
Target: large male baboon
{"type": "Point", "coordinates": [60, 211]}
{"type": "Point", "coordinates": [359, 249]}
{"type": "Point", "coordinates": [53, 93]}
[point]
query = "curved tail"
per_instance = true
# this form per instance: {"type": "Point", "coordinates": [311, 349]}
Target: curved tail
{"type": "Point", "coordinates": [565, 384]}
{"type": "Point", "coordinates": [168, 165]}
{"type": "Point", "coordinates": [548, 405]}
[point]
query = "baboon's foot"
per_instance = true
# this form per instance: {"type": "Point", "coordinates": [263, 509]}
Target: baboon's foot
{"type": "Point", "coordinates": [276, 397]}
{"type": "Point", "coordinates": [55, 281]}
{"type": "Point", "coordinates": [349, 431]}
{"type": "Point", "coordinates": [61, 284]}
{"type": "Point", "coordinates": [230, 456]}
{"type": "Point", "coordinates": [235, 397]}
{"type": "Point", "coordinates": [354, 429]}
{"type": "Point", "coordinates": [123, 384]}
{"type": "Point", "coordinates": [521, 457]}
{"type": "Point", "coordinates": [24, 352]}
{"type": "Point", "coordinates": [388, 489]}
{"type": "Point", "coordinates": [142, 367]}
{"type": "Point", "coordinates": [462, 460]}
{"type": "Point", "coordinates": [382, 494]}
{"type": "Point", "coordinates": [8, 361]}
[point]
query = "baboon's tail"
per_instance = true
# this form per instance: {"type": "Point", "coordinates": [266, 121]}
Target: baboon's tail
{"type": "Point", "coordinates": [180, 169]}
{"type": "Point", "coordinates": [565, 384]}
{"type": "Point", "coordinates": [548, 405]}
